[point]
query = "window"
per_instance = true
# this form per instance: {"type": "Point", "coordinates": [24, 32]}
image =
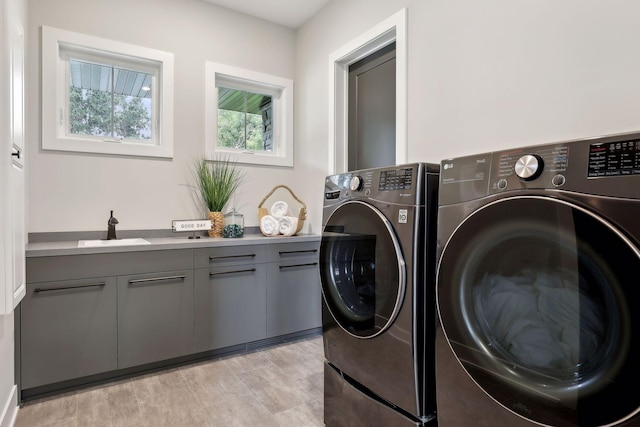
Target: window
{"type": "Point", "coordinates": [249, 115]}
{"type": "Point", "coordinates": [102, 96]}
{"type": "Point", "coordinates": [244, 120]}
{"type": "Point", "coordinates": [108, 101]}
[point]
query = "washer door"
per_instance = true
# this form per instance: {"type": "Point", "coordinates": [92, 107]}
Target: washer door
{"type": "Point", "coordinates": [534, 297]}
{"type": "Point", "coordinates": [362, 270]}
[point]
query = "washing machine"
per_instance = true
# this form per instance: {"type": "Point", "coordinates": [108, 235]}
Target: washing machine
{"type": "Point", "coordinates": [377, 267]}
{"type": "Point", "coordinates": [538, 283]}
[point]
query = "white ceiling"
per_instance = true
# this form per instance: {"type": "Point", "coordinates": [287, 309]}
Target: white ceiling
{"type": "Point", "coordinates": [290, 13]}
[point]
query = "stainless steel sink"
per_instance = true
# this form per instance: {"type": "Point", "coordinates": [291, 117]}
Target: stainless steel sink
{"type": "Point", "coordinates": [116, 242]}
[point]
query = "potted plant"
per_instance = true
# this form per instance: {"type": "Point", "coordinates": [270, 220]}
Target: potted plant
{"type": "Point", "coordinates": [216, 181]}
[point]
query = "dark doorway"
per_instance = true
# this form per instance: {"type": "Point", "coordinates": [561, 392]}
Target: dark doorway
{"type": "Point", "coordinates": [372, 110]}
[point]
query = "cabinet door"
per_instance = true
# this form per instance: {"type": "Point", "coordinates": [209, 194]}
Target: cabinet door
{"type": "Point", "coordinates": [230, 306]}
{"type": "Point", "coordinates": [155, 317]}
{"type": "Point", "coordinates": [293, 296]}
{"type": "Point", "coordinates": [68, 330]}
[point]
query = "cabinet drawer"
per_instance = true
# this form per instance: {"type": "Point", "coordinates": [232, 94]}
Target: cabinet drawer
{"type": "Point", "coordinates": [230, 304]}
{"type": "Point", "coordinates": [42, 269]}
{"type": "Point", "coordinates": [291, 251]}
{"type": "Point", "coordinates": [155, 317]}
{"type": "Point", "coordinates": [68, 330]}
{"type": "Point", "coordinates": [230, 255]}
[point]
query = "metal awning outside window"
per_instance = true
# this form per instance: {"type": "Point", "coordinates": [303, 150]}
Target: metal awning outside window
{"type": "Point", "coordinates": [234, 100]}
{"type": "Point", "coordinates": [87, 75]}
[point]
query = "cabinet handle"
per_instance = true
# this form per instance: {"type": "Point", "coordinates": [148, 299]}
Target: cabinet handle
{"type": "Point", "coordinates": [64, 288]}
{"type": "Point", "coordinates": [298, 252]}
{"type": "Point", "coordinates": [16, 154]}
{"type": "Point", "coordinates": [156, 279]}
{"type": "Point", "coordinates": [217, 258]}
{"type": "Point", "coordinates": [220, 273]}
{"type": "Point", "coordinates": [282, 267]}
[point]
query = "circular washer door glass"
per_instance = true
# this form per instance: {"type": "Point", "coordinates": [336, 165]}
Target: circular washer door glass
{"type": "Point", "coordinates": [534, 297]}
{"type": "Point", "coordinates": [362, 270]}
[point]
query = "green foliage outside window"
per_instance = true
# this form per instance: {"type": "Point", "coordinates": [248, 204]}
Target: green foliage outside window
{"type": "Point", "coordinates": [231, 130]}
{"type": "Point", "coordinates": [91, 114]}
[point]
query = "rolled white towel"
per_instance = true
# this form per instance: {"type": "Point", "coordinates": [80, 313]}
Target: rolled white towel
{"type": "Point", "coordinates": [288, 225]}
{"type": "Point", "coordinates": [269, 226]}
{"type": "Point", "coordinates": [280, 209]}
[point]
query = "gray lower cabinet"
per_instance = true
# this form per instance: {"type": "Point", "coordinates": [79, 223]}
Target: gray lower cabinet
{"type": "Point", "coordinates": [293, 292]}
{"type": "Point", "coordinates": [68, 330]}
{"type": "Point", "coordinates": [155, 317]}
{"type": "Point", "coordinates": [96, 313]}
{"type": "Point", "coordinates": [230, 305]}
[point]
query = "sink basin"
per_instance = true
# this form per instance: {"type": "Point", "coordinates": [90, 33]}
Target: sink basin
{"type": "Point", "coordinates": [117, 242]}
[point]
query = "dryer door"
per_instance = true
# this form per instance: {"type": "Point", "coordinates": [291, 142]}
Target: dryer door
{"type": "Point", "coordinates": [536, 296]}
{"type": "Point", "coordinates": [362, 270]}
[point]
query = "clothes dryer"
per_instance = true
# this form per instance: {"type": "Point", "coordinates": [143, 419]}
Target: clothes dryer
{"type": "Point", "coordinates": [538, 278]}
{"type": "Point", "coordinates": [377, 267]}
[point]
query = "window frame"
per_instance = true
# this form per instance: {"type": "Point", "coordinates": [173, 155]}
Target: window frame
{"type": "Point", "coordinates": [56, 46]}
{"type": "Point", "coordinates": [281, 91]}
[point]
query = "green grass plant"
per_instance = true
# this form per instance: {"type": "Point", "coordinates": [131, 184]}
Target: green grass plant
{"type": "Point", "coordinates": [216, 181]}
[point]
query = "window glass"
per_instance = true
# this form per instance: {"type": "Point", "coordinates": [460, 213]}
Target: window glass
{"type": "Point", "coordinates": [244, 120]}
{"type": "Point", "coordinates": [109, 101]}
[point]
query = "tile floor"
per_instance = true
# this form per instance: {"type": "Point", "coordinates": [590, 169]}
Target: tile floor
{"type": "Point", "coordinates": [278, 386]}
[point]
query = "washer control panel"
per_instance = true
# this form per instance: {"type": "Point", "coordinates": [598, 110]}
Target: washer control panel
{"type": "Point", "coordinates": [396, 179]}
{"type": "Point", "coordinates": [393, 184]}
{"type": "Point", "coordinates": [356, 183]}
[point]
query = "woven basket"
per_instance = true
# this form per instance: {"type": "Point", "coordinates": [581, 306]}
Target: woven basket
{"type": "Point", "coordinates": [290, 197]}
{"type": "Point", "coordinates": [217, 223]}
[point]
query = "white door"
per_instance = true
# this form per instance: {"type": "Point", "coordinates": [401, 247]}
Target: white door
{"type": "Point", "coordinates": [15, 239]}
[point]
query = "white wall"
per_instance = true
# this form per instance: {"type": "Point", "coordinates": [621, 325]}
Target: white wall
{"type": "Point", "coordinates": [74, 192]}
{"type": "Point", "coordinates": [482, 76]}
{"type": "Point", "coordinates": [486, 75]}
{"type": "Point", "coordinates": [503, 73]}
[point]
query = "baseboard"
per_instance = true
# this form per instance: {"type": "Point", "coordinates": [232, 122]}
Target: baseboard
{"type": "Point", "coordinates": [10, 410]}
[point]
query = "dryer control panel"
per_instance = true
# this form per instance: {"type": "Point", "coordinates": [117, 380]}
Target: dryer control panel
{"type": "Point", "coordinates": [606, 166]}
{"type": "Point", "coordinates": [620, 158]}
{"type": "Point", "coordinates": [531, 167]}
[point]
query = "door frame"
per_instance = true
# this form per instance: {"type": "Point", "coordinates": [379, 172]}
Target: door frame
{"type": "Point", "coordinates": [386, 32]}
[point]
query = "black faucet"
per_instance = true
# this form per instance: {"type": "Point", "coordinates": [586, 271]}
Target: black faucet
{"type": "Point", "coordinates": [111, 227]}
